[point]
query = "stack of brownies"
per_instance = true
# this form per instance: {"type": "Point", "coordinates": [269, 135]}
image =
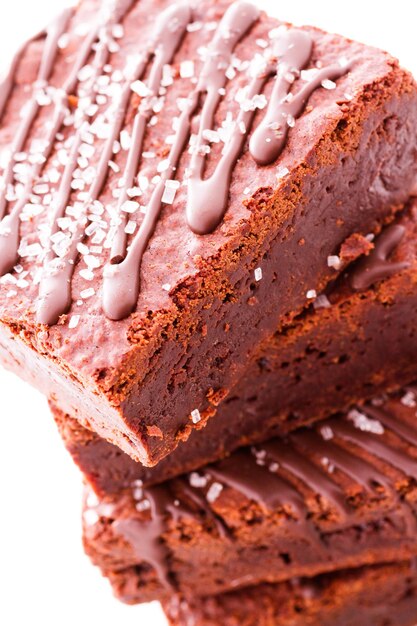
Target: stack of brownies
{"type": "Point", "coordinates": [208, 260]}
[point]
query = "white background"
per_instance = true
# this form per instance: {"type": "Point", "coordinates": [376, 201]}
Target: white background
{"type": "Point", "coordinates": [44, 576]}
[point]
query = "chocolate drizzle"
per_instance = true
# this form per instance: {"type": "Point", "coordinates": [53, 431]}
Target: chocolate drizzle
{"type": "Point", "coordinates": [122, 280]}
{"type": "Point", "coordinates": [311, 456]}
{"type": "Point", "coordinates": [9, 236]}
{"type": "Point", "coordinates": [377, 265]}
{"type": "Point", "coordinates": [207, 197]}
{"type": "Point", "coordinates": [55, 287]}
{"type": "Point", "coordinates": [293, 51]}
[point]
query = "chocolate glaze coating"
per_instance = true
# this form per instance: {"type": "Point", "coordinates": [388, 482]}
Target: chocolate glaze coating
{"type": "Point", "coordinates": [362, 343]}
{"type": "Point", "coordinates": [350, 160]}
{"type": "Point", "coordinates": [338, 494]}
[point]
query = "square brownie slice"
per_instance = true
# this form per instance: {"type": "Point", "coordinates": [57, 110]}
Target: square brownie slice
{"type": "Point", "coordinates": [336, 495]}
{"type": "Point", "coordinates": [171, 192]}
{"type": "Point", "coordinates": [357, 340]}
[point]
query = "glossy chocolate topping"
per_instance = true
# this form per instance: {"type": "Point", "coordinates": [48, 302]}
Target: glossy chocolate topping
{"type": "Point", "coordinates": [377, 265]}
{"type": "Point", "coordinates": [290, 52]}
{"type": "Point", "coordinates": [338, 444]}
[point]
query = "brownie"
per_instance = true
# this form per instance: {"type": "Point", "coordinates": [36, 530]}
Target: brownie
{"type": "Point", "coordinates": [353, 344]}
{"type": "Point", "coordinates": [339, 494]}
{"type": "Point", "coordinates": [381, 595]}
{"type": "Point", "coordinates": [164, 214]}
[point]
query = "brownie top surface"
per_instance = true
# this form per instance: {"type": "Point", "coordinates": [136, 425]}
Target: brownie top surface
{"type": "Point", "coordinates": [174, 254]}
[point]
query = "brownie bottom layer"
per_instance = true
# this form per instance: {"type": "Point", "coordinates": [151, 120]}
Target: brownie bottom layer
{"type": "Point", "coordinates": [383, 595]}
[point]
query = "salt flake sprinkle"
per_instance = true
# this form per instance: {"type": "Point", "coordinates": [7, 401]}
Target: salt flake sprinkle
{"type": "Point", "coordinates": [195, 416]}
{"type": "Point", "coordinates": [365, 423]}
{"type": "Point", "coordinates": [311, 293]}
{"type": "Point", "coordinates": [258, 274]}
{"type": "Point", "coordinates": [214, 491]}
{"type": "Point", "coordinates": [74, 321]}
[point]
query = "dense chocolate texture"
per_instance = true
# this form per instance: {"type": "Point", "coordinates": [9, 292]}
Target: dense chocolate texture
{"type": "Point", "coordinates": [335, 495]}
{"type": "Point", "coordinates": [347, 158]}
{"type": "Point", "coordinates": [329, 358]}
{"type": "Point", "coordinates": [383, 595]}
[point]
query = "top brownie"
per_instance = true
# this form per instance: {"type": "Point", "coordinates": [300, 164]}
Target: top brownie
{"type": "Point", "coordinates": [174, 179]}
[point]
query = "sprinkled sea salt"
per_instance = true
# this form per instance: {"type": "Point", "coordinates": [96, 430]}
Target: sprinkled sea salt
{"type": "Point", "coordinates": [365, 423]}
{"type": "Point", "coordinates": [328, 84]}
{"type": "Point", "coordinates": [258, 273]}
{"type": "Point", "coordinates": [409, 399]}
{"type": "Point", "coordinates": [130, 206]}
{"type": "Point", "coordinates": [282, 171]}
{"type": "Point", "coordinates": [130, 227]}
{"type": "Point", "coordinates": [195, 416]}
{"type": "Point", "coordinates": [140, 88]}
{"type": "Point", "coordinates": [144, 505]}
{"type": "Point", "coordinates": [170, 191]}
{"type": "Point", "coordinates": [87, 293]}
{"type": "Point", "coordinates": [334, 261]}
{"type": "Point", "coordinates": [166, 287]}
{"type": "Point", "coordinates": [326, 432]}
{"type": "Point", "coordinates": [125, 140]}
{"type": "Point", "coordinates": [311, 293]}
{"type": "Point", "coordinates": [187, 69]}
{"type": "Point", "coordinates": [73, 323]}
{"type": "Point", "coordinates": [214, 491]}
{"type": "Point", "coordinates": [197, 480]}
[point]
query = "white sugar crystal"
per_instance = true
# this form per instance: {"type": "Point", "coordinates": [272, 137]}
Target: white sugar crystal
{"type": "Point", "coordinates": [197, 480]}
{"type": "Point", "coordinates": [144, 505]}
{"type": "Point", "coordinates": [322, 302]}
{"type": "Point", "coordinates": [130, 206]}
{"type": "Point", "coordinates": [187, 69]}
{"type": "Point", "coordinates": [92, 261]}
{"type": "Point", "coordinates": [85, 73]}
{"type": "Point", "coordinates": [170, 191]}
{"type": "Point", "coordinates": [409, 399]}
{"type": "Point", "coordinates": [311, 293]}
{"type": "Point", "coordinates": [246, 191]}
{"type": "Point", "coordinates": [163, 166]}
{"type": "Point", "coordinates": [365, 423]}
{"type": "Point", "coordinates": [258, 274]}
{"type": "Point", "coordinates": [125, 140]}
{"type": "Point", "coordinates": [326, 432]}
{"type": "Point", "coordinates": [211, 135]}
{"type": "Point", "coordinates": [334, 261]}
{"type": "Point", "coordinates": [140, 88]}
{"type": "Point", "coordinates": [214, 491]}
{"type": "Point", "coordinates": [282, 171]}
{"type": "Point", "coordinates": [73, 323]}
{"type": "Point", "coordinates": [130, 227]}
{"type": "Point", "coordinates": [41, 189]}
{"type": "Point", "coordinates": [82, 248]}
{"type": "Point", "coordinates": [86, 150]}
{"type": "Point", "coordinates": [87, 293]}
{"type": "Point", "coordinates": [166, 287]}
{"type": "Point", "coordinates": [328, 84]}
{"type": "Point", "coordinates": [31, 250]}
{"type": "Point", "coordinates": [195, 416]}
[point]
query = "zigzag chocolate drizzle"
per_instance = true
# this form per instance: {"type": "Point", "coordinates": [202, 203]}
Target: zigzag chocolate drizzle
{"type": "Point", "coordinates": [256, 474]}
{"type": "Point", "coordinates": [207, 197]}
{"type": "Point", "coordinates": [122, 280]}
